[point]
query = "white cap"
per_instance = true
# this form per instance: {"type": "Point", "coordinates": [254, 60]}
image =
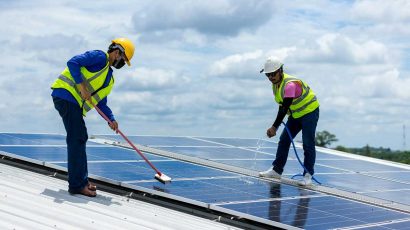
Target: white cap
{"type": "Point", "coordinates": [272, 65]}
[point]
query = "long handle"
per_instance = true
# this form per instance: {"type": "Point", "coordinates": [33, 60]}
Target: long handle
{"type": "Point", "coordinates": [129, 142]}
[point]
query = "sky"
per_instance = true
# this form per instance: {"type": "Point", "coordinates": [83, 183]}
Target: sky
{"type": "Point", "coordinates": [195, 71]}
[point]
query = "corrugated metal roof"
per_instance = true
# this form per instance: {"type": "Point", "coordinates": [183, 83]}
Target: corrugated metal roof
{"type": "Point", "coordinates": [30, 200]}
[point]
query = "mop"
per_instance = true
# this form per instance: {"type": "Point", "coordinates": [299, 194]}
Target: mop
{"type": "Point", "coordinates": [161, 177]}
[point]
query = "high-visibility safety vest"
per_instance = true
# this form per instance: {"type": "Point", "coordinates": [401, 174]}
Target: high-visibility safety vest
{"type": "Point", "coordinates": [94, 82]}
{"type": "Point", "coordinates": [304, 104]}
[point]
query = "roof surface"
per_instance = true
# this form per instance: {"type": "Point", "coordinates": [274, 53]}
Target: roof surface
{"type": "Point", "coordinates": [30, 200]}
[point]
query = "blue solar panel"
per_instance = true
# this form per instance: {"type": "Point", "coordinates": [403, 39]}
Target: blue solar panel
{"type": "Point", "coordinates": [240, 142]}
{"type": "Point", "coordinates": [399, 195]}
{"type": "Point", "coordinates": [217, 152]}
{"type": "Point", "coordinates": [388, 226]}
{"type": "Point", "coordinates": [361, 183]}
{"type": "Point", "coordinates": [317, 212]}
{"type": "Point", "coordinates": [31, 139]}
{"type": "Point", "coordinates": [272, 201]}
{"type": "Point", "coordinates": [161, 140]}
{"type": "Point", "coordinates": [360, 166]}
{"type": "Point", "coordinates": [226, 189]}
{"type": "Point", "coordinates": [50, 153]}
{"type": "Point", "coordinates": [399, 175]}
{"type": "Point", "coordinates": [332, 170]}
{"type": "Point", "coordinates": [292, 166]}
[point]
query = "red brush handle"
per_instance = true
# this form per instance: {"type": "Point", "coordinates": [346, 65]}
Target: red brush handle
{"type": "Point", "coordinates": [129, 142]}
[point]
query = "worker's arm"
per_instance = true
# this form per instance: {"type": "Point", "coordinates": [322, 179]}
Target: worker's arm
{"type": "Point", "coordinates": [292, 90]}
{"type": "Point", "coordinates": [85, 94]}
{"type": "Point", "coordinates": [102, 105]}
{"type": "Point", "coordinates": [92, 60]}
{"type": "Point", "coordinates": [283, 109]}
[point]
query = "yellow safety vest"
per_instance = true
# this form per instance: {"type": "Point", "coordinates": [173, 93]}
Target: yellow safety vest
{"type": "Point", "coordinates": [304, 104]}
{"type": "Point", "coordinates": [94, 82]}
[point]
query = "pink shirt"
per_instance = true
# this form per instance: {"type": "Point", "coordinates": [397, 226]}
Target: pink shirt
{"type": "Point", "coordinates": [293, 90]}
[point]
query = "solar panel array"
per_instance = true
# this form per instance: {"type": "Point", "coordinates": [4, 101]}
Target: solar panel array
{"type": "Point", "coordinates": [379, 180]}
{"type": "Point", "coordinates": [265, 201]}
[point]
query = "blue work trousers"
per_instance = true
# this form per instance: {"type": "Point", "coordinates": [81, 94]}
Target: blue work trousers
{"type": "Point", "coordinates": [307, 124]}
{"type": "Point", "coordinates": [76, 143]}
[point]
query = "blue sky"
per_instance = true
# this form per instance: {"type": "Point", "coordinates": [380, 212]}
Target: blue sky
{"type": "Point", "coordinates": [196, 66]}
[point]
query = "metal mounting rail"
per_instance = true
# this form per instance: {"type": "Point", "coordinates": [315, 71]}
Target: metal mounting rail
{"type": "Point", "coordinates": [247, 172]}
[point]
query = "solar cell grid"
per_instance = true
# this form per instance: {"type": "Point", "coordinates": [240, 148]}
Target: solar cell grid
{"type": "Point", "coordinates": [330, 168]}
{"type": "Point", "coordinates": [161, 140]}
{"type": "Point", "coordinates": [227, 190]}
{"type": "Point", "coordinates": [59, 154]}
{"type": "Point", "coordinates": [240, 142]}
{"type": "Point", "coordinates": [318, 212]}
{"type": "Point", "coordinates": [399, 196]}
{"type": "Point", "coordinates": [30, 139]}
{"type": "Point", "coordinates": [219, 152]}
{"type": "Point", "coordinates": [272, 201]}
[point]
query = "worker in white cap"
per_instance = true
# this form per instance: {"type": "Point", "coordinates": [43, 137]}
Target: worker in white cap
{"type": "Point", "coordinates": [296, 99]}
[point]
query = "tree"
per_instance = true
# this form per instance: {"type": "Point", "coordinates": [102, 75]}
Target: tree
{"type": "Point", "coordinates": [343, 149]}
{"type": "Point", "coordinates": [324, 138]}
{"type": "Point", "coordinates": [367, 151]}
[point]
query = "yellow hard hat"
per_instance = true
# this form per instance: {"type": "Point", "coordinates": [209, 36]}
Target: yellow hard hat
{"type": "Point", "coordinates": [128, 47]}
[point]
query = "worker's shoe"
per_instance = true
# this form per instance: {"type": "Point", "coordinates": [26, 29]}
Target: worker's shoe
{"type": "Point", "coordinates": [92, 186]}
{"type": "Point", "coordinates": [270, 173]}
{"type": "Point", "coordinates": [306, 181]}
{"type": "Point", "coordinates": [85, 191]}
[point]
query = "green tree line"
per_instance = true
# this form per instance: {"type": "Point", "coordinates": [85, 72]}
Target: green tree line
{"type": "Point", "coordinates": [325, 139]}
{"type": "Point", "coordinates": [379, 153]}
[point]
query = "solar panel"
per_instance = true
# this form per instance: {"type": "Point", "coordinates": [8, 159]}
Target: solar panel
{"type": "Point", "coordinates": [233, 192]}
{"type": "Point", "coordinates": [333, 170]}
{"type": "Point", "coordinates": [317, 212]}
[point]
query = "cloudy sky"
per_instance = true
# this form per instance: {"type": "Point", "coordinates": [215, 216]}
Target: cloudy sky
{"type": "Point", "coordinates": [196, 66]}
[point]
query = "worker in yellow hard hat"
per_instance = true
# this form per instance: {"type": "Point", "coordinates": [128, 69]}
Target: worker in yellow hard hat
{"type": "Point", "coordinates": [87, 77]}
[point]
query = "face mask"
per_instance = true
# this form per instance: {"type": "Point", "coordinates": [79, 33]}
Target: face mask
{"type": "Point", "coordinates": [118, 64]}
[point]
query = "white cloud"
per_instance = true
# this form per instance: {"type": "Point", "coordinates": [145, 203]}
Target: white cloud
{"type": "Point", "coordinates": [383, 85]}
{"type": "Point", "coordinates": [382, 11]}
{"type": "Point", "coordinates": [224, 17]}
{"type": "Point", "coordinates": [196, 65]}
{"type": "Point", "coordinates": [247, 65]}
{"type": "Point", "coordinates": [193, 37]}
{"type": "Point", "coordinates": [235, 65]}
{"type": "Point", "coordinates": [144, 79]}
{"type": "Point", "coordinates": [50, 42]}
{"type": "Point", "coordinates": [337, 48]}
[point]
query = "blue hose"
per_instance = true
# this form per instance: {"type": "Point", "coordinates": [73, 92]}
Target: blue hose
{"type": "Point", "coordinates": [297, 156]}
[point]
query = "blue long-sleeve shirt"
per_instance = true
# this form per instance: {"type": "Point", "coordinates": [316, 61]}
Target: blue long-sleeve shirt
{"type": "Point", "coordinates": [93, 61]}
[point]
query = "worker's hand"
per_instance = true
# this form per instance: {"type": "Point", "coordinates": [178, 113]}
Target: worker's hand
{"type": "Point", "coordinates": [114, 126]}
{"type": "Point", "coordinates": [271, 132]}
{"type": "Point", "coordinates": [84, 92]}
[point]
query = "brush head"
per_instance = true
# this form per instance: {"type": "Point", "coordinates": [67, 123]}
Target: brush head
{"type": "Point", "coordinates": [163, 178]}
